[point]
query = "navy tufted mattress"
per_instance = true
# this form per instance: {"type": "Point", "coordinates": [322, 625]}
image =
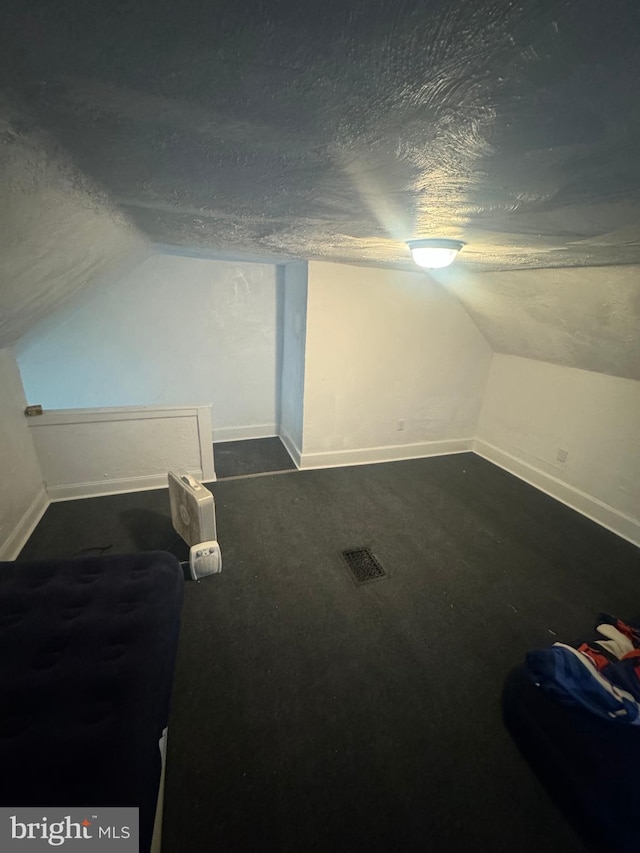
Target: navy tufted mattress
{"type": "Point", "coordinates": [88, 649]}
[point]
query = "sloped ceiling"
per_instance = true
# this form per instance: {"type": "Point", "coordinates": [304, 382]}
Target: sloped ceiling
{"type": "Point", "coordinates": [585, 317]}
{"type": "Point", "coordinates": [58, 231]}
{"type": "Point", "coordinates": [337, 130]}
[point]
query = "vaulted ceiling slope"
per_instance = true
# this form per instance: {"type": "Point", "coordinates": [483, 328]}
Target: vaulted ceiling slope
{"type": "Point", "coordinates": [58, 231]}
{"type": "Point", "coordinates": [336, 130]}
{"type": "Point", "coordinates": [586, 317]}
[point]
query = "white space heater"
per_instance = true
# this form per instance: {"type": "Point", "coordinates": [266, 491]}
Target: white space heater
{"type": "Point", "coordinates": [193, 515]}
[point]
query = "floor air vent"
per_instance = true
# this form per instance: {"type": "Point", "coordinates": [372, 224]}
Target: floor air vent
{"type": "Point", "coordinates": [363, 565]}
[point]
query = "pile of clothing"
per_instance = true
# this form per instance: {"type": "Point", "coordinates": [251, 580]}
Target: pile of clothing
{"type": "Point", "coordinates": [602, 677]}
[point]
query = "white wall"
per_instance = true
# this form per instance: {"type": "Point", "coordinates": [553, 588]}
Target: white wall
{"type": "Point", "coordinates": [532, 409]}
{"type": "Point", "coordinates": [22, 496]}
{"type": "Point", "coordinates": [175, 331]}
{"type": "Point", "coordinates": [87, 452]}
{"type": "Point", "coordinates": [293, 356]}
{"type": "Point", "coordinates": [384, 345]}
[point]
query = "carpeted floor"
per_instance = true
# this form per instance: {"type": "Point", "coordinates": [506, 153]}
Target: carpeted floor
{"type": "Point", "coordinates": [310, 714]}
{"type": "Point", "coordinates": [115, 524]}
{"type": "Point", "coordinates": [251, 456]}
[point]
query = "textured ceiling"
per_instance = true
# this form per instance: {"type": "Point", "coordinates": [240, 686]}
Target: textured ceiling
{"type": "Point", "coordinates": [587, 318]}
{"type": "Point", "coordinates": [58, 230]}
{"type": "Point", "coordinates": [339, 129]}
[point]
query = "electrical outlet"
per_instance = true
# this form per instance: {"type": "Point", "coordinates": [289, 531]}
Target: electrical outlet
{"type": "Point", "coordinates": [400, 423]}
{"type": "Point", "coordinates": [561, 455]}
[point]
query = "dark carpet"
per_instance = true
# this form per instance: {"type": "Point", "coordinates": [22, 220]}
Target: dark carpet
{"type": "Point", "coordinates": [114, 524]}
{"type": "Point", "coordinates": [252, 456]}
{"type": "Point", "coordinates": [310, 714]}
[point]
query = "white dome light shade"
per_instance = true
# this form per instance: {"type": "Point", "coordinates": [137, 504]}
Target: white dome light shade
{"type": "Point", "coordinates": [434, 254]}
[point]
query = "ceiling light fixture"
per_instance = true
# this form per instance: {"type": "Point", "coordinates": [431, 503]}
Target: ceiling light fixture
{"type": "Point", "coordinates": [434, 253]}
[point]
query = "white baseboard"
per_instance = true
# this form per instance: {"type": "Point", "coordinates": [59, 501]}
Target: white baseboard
{"type": "Point", "coordinates": [25, 527]}
{"type": "Point", "coordinates": [292, 448]}
{"type": "Point", "coordinates": [73, 491]}
{"type": "Point", "coordinates": [243, 432]}
{"type": "Point", "coordinates": [602, 513]}
{"type": "Point", "coordinates": [387, 453]}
